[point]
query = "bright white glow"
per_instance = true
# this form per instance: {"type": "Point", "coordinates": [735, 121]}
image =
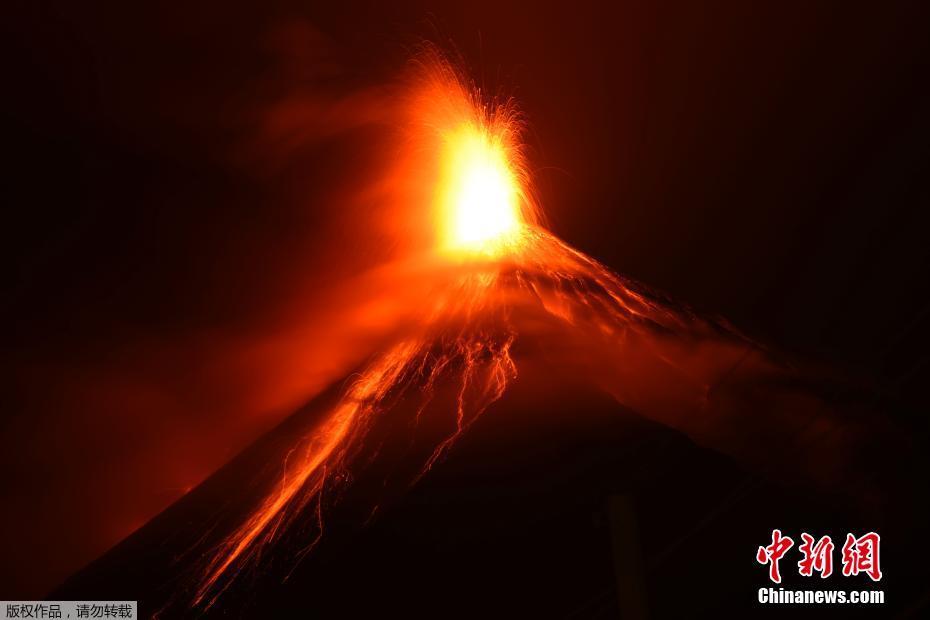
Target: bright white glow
{"type": "Point", "coordinates": [480, 194]}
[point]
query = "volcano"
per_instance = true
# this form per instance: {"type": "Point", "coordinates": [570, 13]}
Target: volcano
{"type": "Point", "coordinates": [556, 502]}
{"type": "Point", "coordinates": [407, 486]}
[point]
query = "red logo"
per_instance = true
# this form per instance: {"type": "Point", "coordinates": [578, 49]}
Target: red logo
{"type": "Point", "coordinates": [860, 555]}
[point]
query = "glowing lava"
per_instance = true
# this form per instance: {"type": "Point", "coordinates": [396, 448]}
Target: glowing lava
{"type": "Point", "coordinates": [493, 260]}
{"type": "Point", "coordinates": [479, 194]}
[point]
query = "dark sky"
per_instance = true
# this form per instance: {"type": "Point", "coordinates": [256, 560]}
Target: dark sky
{"type": "Point", "coordinates": [167, 240]}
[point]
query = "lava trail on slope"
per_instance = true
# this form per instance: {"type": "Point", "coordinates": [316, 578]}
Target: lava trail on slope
{"type": "Point", "coordinates": [465, 335]}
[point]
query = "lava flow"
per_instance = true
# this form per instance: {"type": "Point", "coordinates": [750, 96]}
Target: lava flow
{"type": "Point", "coordinates": [491, 265]}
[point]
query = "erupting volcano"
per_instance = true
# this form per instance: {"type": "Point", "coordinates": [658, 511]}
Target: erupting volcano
{"type": "Point", "coordinates": [479, 289]}
{"type": "Point", "coordinates": [494, 273]}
